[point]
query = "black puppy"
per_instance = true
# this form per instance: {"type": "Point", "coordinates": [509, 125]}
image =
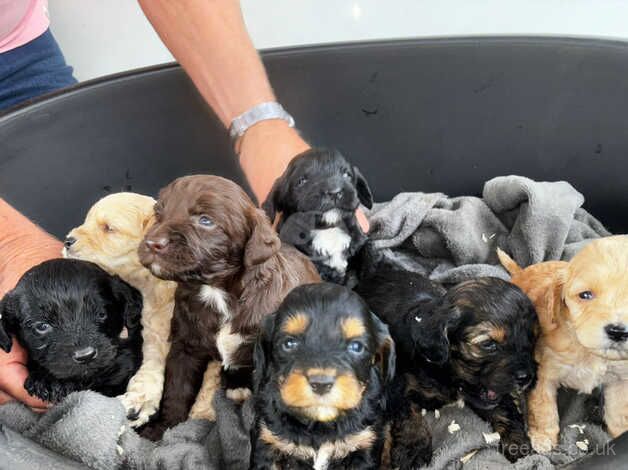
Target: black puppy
{"type": "Point", "coordinates": [317, 196]}
{"type": "Point", "coordinates": [80, 327]}
{"type": "Point", "coordinates": [476, 342]}
{"type": "Point", "coordinates": [322, 365]}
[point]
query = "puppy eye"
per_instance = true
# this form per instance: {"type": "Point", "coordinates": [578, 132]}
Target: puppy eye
{"type": "Point", "coordinates": [42, 328]}
{"type": "Point", "coordinates": [355, 347]}
{"type": "Point", "coordinates": [289, 344]}
{"type": "Point", "coordinates": [346, 173]}
{"type": "Point", "coordinates": [488, 345]}
{"type": "Point", "coordinates": [205, 221]}
{"type": "Point", "coordinates": [301, 181]}
{"type": "Point", "coordinates": [101, 315]}
{"type": "Point", "coordinates": [586, 295]}
{"type": "Point", "coordinates": [107, 228]}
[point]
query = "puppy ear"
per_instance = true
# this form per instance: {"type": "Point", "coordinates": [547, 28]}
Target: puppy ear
{"type": "Point", "coordinates": [263, 243]}
{"type": "Point", "coordinates": [130, 301]}
{"type": "Point", "coordinates": [364, 191]}
{"type": "Point", "coordinates": [8, 313]}
{"type": "Point", "coordinates": [549, 307]}
{"type": "Point", "coordinates": [386, 357]}
{"type": "Point", "coordinates": [274, 202]}
{"type": "Point", "coordinates": [261, 351]}
{"type": "Point", "coordinates": [148, 221]}
{"type": "Point", "coordinates": [431, 335]}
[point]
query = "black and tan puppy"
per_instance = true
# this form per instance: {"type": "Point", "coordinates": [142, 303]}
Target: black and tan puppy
{"type": "Point", "coordinates": [80, 327]}
{"type": "Point", "coordinates": [317, 197]}
{"type": "Point", "coordinates": [323, 363]}
{"type": "Point", "coordinates": [476, 342]}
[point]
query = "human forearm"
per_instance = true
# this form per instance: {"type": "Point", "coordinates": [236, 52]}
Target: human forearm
{"type": "Point", "coordinates": [22, 245]}
{"type": "Point", "coordinates": [210, 41]}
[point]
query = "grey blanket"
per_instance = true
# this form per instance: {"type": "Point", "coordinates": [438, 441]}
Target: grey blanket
{"type": "Point", "coordinates": [453, 239]}
{"type": "Point", "coordinates": [88, 430]}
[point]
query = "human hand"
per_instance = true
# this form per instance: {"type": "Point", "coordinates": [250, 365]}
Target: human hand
{"type": "Point", "coordinates": [22, 246]}
{"type": "Point", "coordinates": [265, 151]}
{"type": "Point", "coordinates": [13, 374]}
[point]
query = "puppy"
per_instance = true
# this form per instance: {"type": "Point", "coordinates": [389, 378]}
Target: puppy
{"type": "Point", "coordinates": [232, 271]}
{"type": "Point", "coordinates": [110, 237]}
{"type": "Point", "coordinates": [79, 325]}
{"type": "Point", "coordinates": [475, 342]}
{"type": "Point", "coordinates": [322, 363]}
{"type": "Point", "coordinates": [583, 312]}
{"type": "Point", "coordinates": [317, 196]}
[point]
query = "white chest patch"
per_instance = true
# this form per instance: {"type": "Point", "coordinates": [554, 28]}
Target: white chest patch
{"type": "Point", "coordinates": [227, 344]}
{"type": "Point", "coordinates": [216, 298]}
{"type": "Point", "coordinates": [331, 217]}
{"type": "Point", "coordinates": [332, 243]}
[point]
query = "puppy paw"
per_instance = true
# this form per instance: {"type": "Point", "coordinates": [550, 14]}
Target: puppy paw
{"type": "Point", "coordinates": [542, 442]}
{"type": "Point", "coordinates": [408, 457]}
{"type": "Point", "coordinates": [515, 446]}
{"type": "Point", "coordinates": [38, 388]}
{"type": "Point", "coordinates": [154, 432]}
{"type": "Point", "coordinates": [238, 395]}
{"type": "Point", "coordinates": [139, 408]}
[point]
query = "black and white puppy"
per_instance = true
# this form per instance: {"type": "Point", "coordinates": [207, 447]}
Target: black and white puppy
{"type": "Point", "coordinates": [475, 342]}
{"type": "Point", "coordinates": [323, 367]}
{"type": "Point", "coordinates": [317, 197]}
{"type": "Point", "coordinates": [80, 327]}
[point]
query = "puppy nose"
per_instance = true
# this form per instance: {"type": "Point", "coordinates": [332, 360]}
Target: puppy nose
{"type": "Point", "coordinates": [321, 384]}
{"type": "Point", "coordinates": [84, 355]}
{"type": "Point", "coordinates": [523, 378]}
{"type": "Point", "coordinates": [617, 332]}
{"type": "Point", "coordinates": [69, 241]}
{"type": "Point", "coordinates": [335, 192]}
{"type": "Point", "coordinates": [157, 244]}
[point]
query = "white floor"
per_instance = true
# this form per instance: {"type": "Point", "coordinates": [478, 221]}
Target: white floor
{"type": "Point", "coordinates": [100, 37]}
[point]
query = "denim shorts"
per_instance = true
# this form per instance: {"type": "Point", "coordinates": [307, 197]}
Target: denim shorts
{"type": "Point", "coordinates": [31, 70]}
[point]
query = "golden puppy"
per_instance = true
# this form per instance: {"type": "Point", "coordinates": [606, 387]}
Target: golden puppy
{"type": "Point", "coordinates": [583, 312]}
{"type": "Point", "coordinates": [109, 237]}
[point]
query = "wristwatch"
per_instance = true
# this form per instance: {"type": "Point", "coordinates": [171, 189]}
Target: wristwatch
{"type": "Point", "coordinates": [260, 112]}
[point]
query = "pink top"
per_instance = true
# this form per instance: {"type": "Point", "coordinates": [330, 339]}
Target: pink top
{"type": "Point", "coordinates": [21, 21]}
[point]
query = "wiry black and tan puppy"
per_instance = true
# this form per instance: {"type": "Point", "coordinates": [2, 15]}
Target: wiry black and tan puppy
{"type": "Point", "coordinates": [317, 197]}
{"type": "Point", "coordinates": [322, 365]}
{"type": "Point", "coordinates": [232, 270]}
{"type": "Point", "coordinates": [79, 325]}
{"type": "Point", "coordinates": [476, 342]}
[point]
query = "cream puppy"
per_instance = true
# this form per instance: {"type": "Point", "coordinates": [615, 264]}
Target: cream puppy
{"type": "Point", "coordinates": [583, 311]}
{"type": "Point", "coordinates": [109, 237]}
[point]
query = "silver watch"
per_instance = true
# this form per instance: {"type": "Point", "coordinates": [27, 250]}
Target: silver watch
{"type": "Point", "coordinates": [260, 112]}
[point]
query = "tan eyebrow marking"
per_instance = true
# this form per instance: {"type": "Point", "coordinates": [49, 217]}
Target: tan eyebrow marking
{"type": "Point", "coordinates": [352, 327]}
{"type": "Point", "coordinates": [296, 324]}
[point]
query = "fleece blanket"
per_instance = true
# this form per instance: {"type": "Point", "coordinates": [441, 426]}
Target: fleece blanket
{"type": "Point", "coordinates": [453, 239]}
{"type": "Point", "coordinates": [88, 430]}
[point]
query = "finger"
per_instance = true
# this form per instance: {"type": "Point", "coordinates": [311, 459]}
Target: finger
{"type": "Point", "coordinates": [12, 378]}
{"type": "Point", "coordinates": [5, 398]}
{"type": "Point", "coordinates": [362, 220]}
{"type": "Point", "coordinates": [17, 354]}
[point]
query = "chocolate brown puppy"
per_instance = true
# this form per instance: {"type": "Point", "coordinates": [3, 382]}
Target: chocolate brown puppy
{"type": "Point", "coordinates": [231, 270]}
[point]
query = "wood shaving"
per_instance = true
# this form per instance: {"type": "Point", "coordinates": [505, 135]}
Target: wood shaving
{"type": "Point", "coordinates": [453, 427]}
{"type": "Point", "coordinates": [468, 457]}
{"type": "Point", "coordinates": [491, 437]}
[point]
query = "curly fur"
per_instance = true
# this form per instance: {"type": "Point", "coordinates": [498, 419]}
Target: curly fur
{"type": "Point", "coordinates": [584, 339]}
{"type": "Point", "coordinates": [110, 236]}
{"type": "Point", "coordinates": [231, 270]}
{"type": "Point", "coordinates": [474, 342]}
{"type": "Point", "coordinates": [80, 327]}
{"type": "Point", "coordinates": [320, 403]}
{"type": "Point", "coordinates": [317, 197]}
